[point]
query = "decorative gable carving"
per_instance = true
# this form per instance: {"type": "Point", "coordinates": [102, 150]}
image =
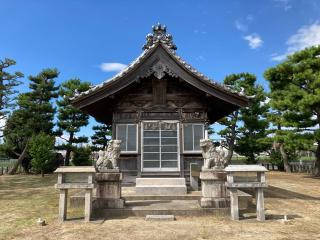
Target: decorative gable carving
{"type": "Point", "coordinates": [159, 70]}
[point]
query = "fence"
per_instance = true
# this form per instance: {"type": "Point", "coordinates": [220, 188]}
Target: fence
{"type": "Point", "coordinates": [300, 166]}
{"type": "Point", "coordinates": [6, 165]}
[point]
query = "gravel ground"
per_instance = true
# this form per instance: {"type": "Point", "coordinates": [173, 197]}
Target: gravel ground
{"type": "Point", "coordinates": [25, 198]}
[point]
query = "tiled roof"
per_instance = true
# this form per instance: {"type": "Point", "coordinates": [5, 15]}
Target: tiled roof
{"type": "Point", "coordinates": [159, 36]}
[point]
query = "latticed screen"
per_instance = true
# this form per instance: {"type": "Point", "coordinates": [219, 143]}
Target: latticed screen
{"type": "Point", "coordinates": [160, 145]}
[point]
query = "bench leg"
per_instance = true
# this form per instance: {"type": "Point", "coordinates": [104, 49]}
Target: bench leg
{"type": "Point", "coordinates": [234, 204]}
{"type": "Point", "coordinates": [88, 205]}
{"type": "Point", "coordinates": [63, 204]}
{"type": "Point", "coordinates": [260, 204]}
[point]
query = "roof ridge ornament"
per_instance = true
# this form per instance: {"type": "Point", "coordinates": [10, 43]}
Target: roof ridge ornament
{"type": "Point", "coordinates": [159, 35]}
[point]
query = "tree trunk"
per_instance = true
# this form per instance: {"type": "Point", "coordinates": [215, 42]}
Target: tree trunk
{"type": "Point", "coordinates": [317, 163]}
{"type": "Point", "coordinates": [68, 151]}
{"type": "Point", "coordinates": [232, 139]}
{"type": "Point", "coordinates": [42, 173]}
{"type": "Point", "coordinates": [20, 159]}
{"type": "Point", "coordinates": [285, 158]}
{"type": "Point", "coordinates": [230, 153]}
{"type": "Point", "coordinates": [67, 160]}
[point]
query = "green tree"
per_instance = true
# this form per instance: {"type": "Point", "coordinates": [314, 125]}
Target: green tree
{"type": "Point", "coordinates": [82, 156]}
{"type": "Point", "coordinates": [295, 92]}
{"type": "Point", "coordinates": [101, 136]}
{"type": "Point", "coordinates": [8, 82]}
{"type": "Point", "coordinates": [41, 152]}
{"type": "Point", "coordinates": [286, 141]}
{"type": "Point", "coordinates": [35, 113]}
{"type": "Point", "coordinates": [245, 139]}
{"type": "Point", "coordinates": [71, 119]}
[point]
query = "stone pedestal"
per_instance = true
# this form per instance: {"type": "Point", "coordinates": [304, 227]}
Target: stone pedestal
{"type": "Point", "coordinates": [108, 193]}
{"type": "Point", "coordinates": [214, 192]}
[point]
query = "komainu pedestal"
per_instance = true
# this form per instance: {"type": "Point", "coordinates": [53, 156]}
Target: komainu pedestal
{"type": "Point", "coordinates": [109, 189]}
{"type": "Point", "coordinates": [214, 192]}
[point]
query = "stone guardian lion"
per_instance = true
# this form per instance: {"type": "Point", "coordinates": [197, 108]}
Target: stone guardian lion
{"type": "Point", "coordinates": [213, 157]}
{"type": "Point", "coordinates": [109, 157]}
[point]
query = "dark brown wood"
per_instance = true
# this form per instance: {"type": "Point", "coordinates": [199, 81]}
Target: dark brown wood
{"type": "Point", "coordinates": [222, 101]}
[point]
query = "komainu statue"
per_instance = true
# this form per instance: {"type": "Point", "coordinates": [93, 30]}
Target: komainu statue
{"type": "Point", "coordinates": [109, 157]}
{"type": "Point", "coordinates": [213, 157]}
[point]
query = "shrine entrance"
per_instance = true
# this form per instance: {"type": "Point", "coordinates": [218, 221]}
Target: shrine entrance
{"type": "Point", "coordinates": [160, 146]}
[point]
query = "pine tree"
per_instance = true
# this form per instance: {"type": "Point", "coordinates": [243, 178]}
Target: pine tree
{"type": "Point", "coordinates": [35, 113]}
{"type": "Point", "coordinates": [8, 82]}
{"type": "Point", "coordinates": [101, 136]}
{"type": "Point", "coordinates": [245, 139]}
{"type": "Point", "coordinates": [71, 119]}
{"type": "Point", "coordinates": [295, 92]}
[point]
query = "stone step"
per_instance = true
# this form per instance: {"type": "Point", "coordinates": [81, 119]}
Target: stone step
{"type": "Point", "coordinates": [160, 181]}
{"type": "Point", "coordinates": [161, 190]}
{"type": "Point", "coordinates": [161, 186]}
{"type": "Point", "coordinates": [156, 207]}
{"type": "Point", "coordinates": [164, 197]}
{"type": "Point", "coordinates": [123, 213]}
{"type": "Point", "coordinates": [160, 218]}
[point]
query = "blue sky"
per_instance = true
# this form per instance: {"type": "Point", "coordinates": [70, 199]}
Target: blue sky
{"type": "Point", "coordinates": [81, 38]}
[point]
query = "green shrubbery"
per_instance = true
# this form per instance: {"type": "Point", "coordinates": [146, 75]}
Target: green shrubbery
{"type": "Point", "coordinates": [82, 156]}
{"type": "Point", "coordinates": [41, 152]}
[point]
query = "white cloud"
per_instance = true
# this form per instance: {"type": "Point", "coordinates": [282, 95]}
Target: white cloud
{"type": "Point", "coordinates": [240, 26]}
{"type": "Point", "coordinates": [250, 17]}
{"type": "Point", "coordinates": [306, 36]}
{"type": "Point", "coordinates": [254, 40]}
{"type": "Point", "coordinates": [278, 58]}
{"type": "Point", "coordinates": [112, 67]}
{"type": "Point", "coordinates": [285, 4]}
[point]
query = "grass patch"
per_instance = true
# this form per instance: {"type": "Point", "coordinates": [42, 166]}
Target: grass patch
{"type": "Point", "coordinates": [25, 198]}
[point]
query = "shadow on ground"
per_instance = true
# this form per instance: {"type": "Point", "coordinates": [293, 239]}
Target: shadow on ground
{"type": "Point", "coordinates": [276, 192]}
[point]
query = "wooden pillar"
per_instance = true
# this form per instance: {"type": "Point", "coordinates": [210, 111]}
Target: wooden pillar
{"type": "Point", "coordinates": [140, 142]}
{"type": "Point", "coordinates": [260, 204]}
{"type": "Point", "coordinates": [63, 204]}
{"type": "Point", "coordinates": [234, 204]}
{"type": "Point", "coordinates": [88, 205]}
{"type": "Point", "coordinates": [180, 142]}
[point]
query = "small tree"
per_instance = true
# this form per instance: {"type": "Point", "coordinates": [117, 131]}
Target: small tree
{"type": "Point", "coordinates": [71, 119]}
{"type": "Point", "coordinates": [41, 151]}
{"type": "Point", "coordinates": [101, 136]}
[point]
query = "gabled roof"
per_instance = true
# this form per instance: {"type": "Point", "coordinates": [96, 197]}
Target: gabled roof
{"type": "Point", "coordinates": [159, 52]}
{"type": "Point", "coordinates": [158, 39]}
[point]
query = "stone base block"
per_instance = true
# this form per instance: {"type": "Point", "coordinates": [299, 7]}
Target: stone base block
{"type": "Point", "coordinates": [102, 203]}
{"type": "Point", "coordinates": [160, 218]}
{"type": "Point", "coordinates": [161, 186]}
{"type": "Point", "coordinates": [109, 185]}
{"type": "Point", "coordinates": [214, 202]}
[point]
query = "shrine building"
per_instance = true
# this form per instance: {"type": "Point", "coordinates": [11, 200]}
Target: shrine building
{"type": "Point", "coordinates": [160, 107]}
